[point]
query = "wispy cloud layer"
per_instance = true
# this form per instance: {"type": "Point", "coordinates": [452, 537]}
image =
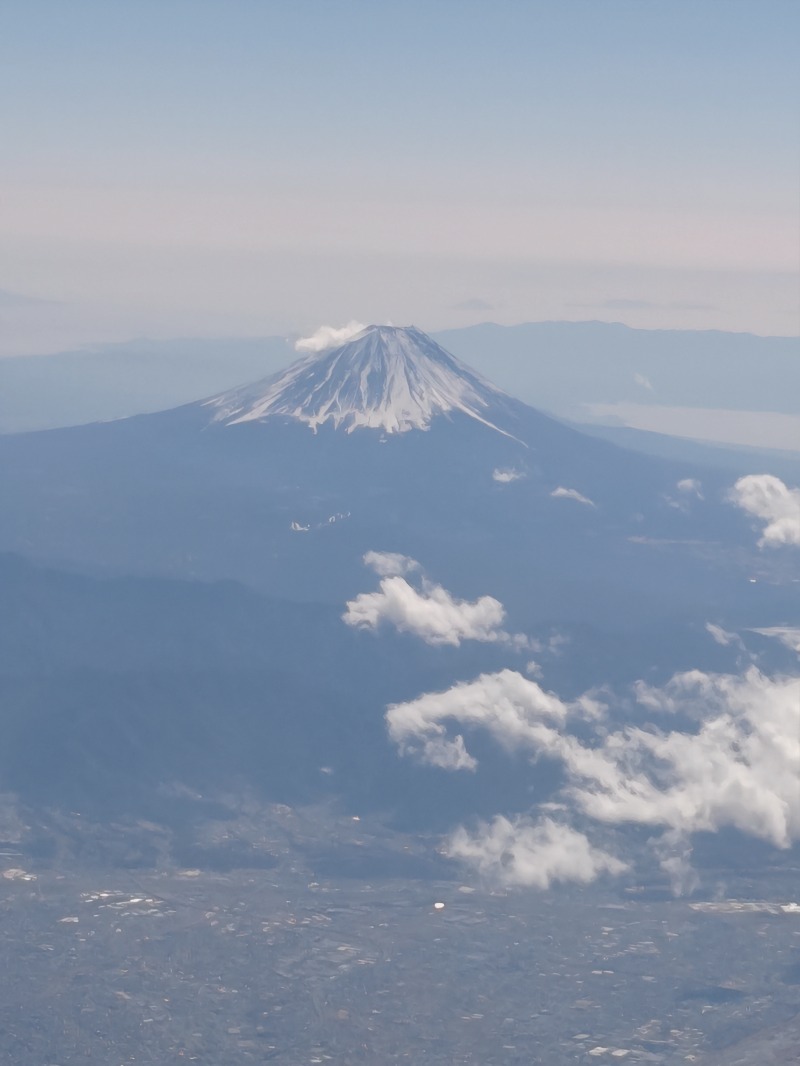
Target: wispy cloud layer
{"type": "Point", "coordinates": [572, 494]}
{"type": "Point", "coordinates": [789, 636]}
{"type": "Point", "coordinates": [770, 500]}
{"type": "Point", "coordinates": [723, 637]}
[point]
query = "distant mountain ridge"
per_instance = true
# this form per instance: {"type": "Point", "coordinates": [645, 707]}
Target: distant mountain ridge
{"type": "Point", "coordinates": [558, 367]}
{"type": "Point", "coordinates": [385, 444]}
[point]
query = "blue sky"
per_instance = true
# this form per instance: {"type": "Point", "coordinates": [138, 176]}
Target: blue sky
{"type": "Point", "coordinates": [246, 166]}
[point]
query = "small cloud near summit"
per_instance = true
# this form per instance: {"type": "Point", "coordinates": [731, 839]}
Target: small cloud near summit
{"type": "Point", "coordinates": [328, 337]}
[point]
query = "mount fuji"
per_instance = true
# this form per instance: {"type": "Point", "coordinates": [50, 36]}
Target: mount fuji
{"type": "Point", "coordinates": [385, 443]}
{"type": "Point", "coordinates": [384, 378]}
{"type": "Point", "coordinates": [187, 598]}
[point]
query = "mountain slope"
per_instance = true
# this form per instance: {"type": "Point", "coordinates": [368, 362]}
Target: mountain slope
{"type": "Point", "coordinates": [384, 378]}
{"type": "Point", "coordinates": [117, 694]}
{"type": "Point", "coordinates": [558, 366]}
{"type": "Point", "coordinates": [389, 444]}
{"type": "Point", "coordinates": [112, 691]}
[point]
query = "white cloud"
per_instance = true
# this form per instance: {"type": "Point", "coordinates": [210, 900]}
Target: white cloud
{"type": "Point", "coordinates": [691, 487]}
{"type": "Point", "coordinates": [688, 488]}
{"type": "Point", "coordinates": [766, 497]}
{"type": "Point", "coordinates": [511, 707]}
{"type": "Point", "coordinates": [390, 564]}
{"type": "Point", "coordinates": [505, 476]}
{"type": "Point", "coordinates": [723, 637]}
{"type": "Point", "coordinates": [433, 614]}
{"type": "Point", "coordinates": [739, 768]}
{"type": "Point", "coordinates": [789, 636]}
{"type": "Point", "coordinates": [429, 612]}
{"type": "Point", "coordinates": [571, 494]}
{"type": "Point", "coordinates": [526, 853]}
{"type": "Point", "coordinates": [328, 337]}
{"type": "Point", "coordinates": [674, 852]}
{"type": "Point", "coordinates": [557, 643]}
{"type": "Point", "coordinates": [645, 383]}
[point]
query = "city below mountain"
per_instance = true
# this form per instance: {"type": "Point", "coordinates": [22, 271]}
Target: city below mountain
{"type": "Point", "coordinates": [374, 621]}
{"type": "Point", "coordinates": [372, 696]}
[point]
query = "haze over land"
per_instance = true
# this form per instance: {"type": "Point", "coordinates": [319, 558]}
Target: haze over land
{"type": "Point", "coordinates": [400, 481]}
{"type": "Point", "coordinates": [735, 389]}
{"type": "Point", "coordinates": [205, 170]}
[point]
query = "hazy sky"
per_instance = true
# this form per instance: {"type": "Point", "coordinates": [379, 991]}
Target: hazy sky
{"type": "Point", "coordinates": [246, 166]}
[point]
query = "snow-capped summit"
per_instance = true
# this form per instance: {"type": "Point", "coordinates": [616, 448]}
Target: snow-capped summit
{"type": "Point", "coordinates": [385, 377]}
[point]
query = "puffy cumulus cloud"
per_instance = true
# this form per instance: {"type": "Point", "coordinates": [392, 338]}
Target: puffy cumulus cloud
{"type": "Point", "coordinates": [390, 564]}
{"type": "Point", "coordinates": [511, 707]}
{"type": "Point", "coordinates": [527, 853]}
{"type": "Point", "coordinates": [433, 614]}
{"type": "Point", "coordinates": [328, 337]}
{"type": "Point", "coordinates": [506, 476]}
{"type": "Point", "coordinates": [739, 768]}
{"type": "Point", "coordinates": [572, 494]}
{"type": "Point", "coordinates": [429, 611]}
{"type": "Point", "coordinates": [768, 499]}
